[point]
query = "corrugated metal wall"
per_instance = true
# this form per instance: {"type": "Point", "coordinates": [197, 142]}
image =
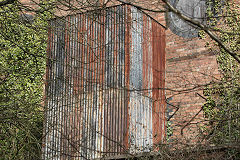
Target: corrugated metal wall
{"type": "Point", "coordinates": [105, 80]}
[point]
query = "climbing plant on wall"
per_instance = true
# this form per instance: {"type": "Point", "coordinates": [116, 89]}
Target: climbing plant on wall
{"type": "Point", "coordinates": [23, 41]}
{"type": "Point", "coordinates": [222, 108]}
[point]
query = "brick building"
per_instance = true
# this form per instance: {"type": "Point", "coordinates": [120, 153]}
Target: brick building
{"type": "Point", "coordinates": [188, 67]}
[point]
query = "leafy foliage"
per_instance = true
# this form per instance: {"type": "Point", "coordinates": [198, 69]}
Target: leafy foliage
{"type": "Point", "coordinates": [222, 108]}
{"type": "Point", "coordinates": [22, 66]}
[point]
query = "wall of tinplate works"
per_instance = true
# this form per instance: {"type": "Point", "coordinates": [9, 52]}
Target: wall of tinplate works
{"type": "Point", "coordinates": [188, 64]}
{"type": "Point", "coordinates": [105, 84]}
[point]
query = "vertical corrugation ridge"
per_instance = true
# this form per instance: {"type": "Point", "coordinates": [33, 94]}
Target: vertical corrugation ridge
{"type": "Point", "coordinates": [127, 44]}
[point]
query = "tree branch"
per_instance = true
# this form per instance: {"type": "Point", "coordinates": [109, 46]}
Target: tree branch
{"type": "Point", "coordinates": [3, 3]}
{"type": "Point", "coordinates": [142, 8]}
{"type": "Point", "coordinates": [203, 27]}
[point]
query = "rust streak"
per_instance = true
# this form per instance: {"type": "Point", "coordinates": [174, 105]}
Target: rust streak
{"type": "Point", "coordinates": [127, 73]}
{"type": "Point", "coordinates": [156, 84]}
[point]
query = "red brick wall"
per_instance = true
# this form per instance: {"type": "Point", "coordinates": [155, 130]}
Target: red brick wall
{"type": "Point", "coordinates": [189, 67]}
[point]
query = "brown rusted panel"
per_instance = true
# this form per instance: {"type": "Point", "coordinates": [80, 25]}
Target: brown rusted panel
{"type": "Point", "coordinates": [158, 84]}
{"type": "Point", "coordinates": [163, 102]}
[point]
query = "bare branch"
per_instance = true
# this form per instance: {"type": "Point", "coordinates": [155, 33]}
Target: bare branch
{"type": "Point", "coordinates": [3, 3]}
{"type": "Point", "coordinates": [203, 27]}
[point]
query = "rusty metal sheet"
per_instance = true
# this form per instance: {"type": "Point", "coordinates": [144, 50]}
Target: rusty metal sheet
{"type": "Point", "coordinates": [105, 80]}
